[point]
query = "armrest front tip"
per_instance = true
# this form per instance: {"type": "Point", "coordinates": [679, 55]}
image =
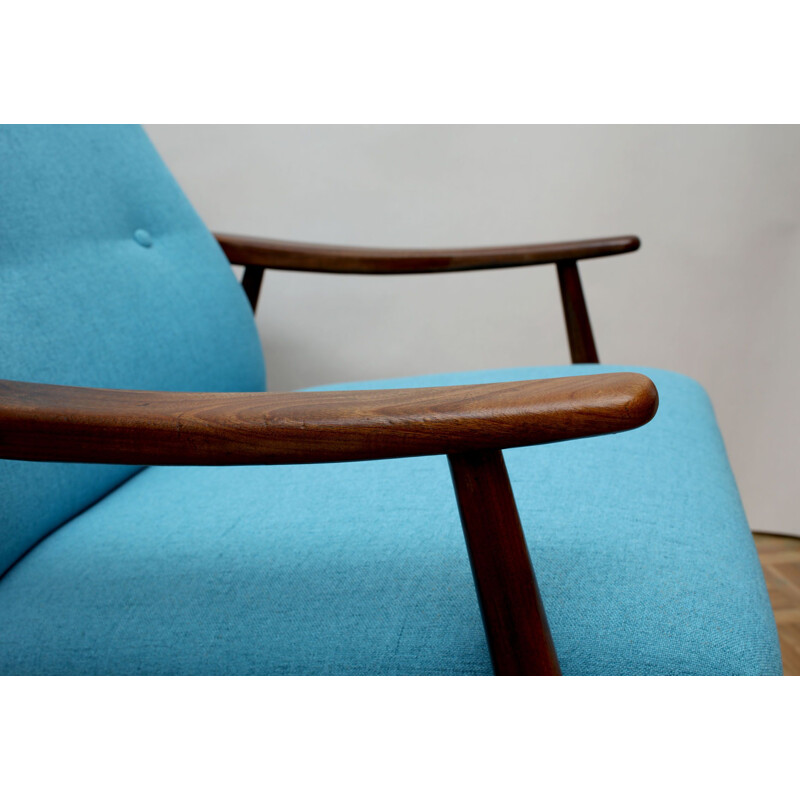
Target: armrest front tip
{"type": "Point", "coordinates": [644, 398]}
{"type": "Point", "coordinates": [634, 243]}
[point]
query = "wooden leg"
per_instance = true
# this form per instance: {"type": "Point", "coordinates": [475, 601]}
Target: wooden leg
{"type": "Point", "coordinates": [251, 283]}
{"type": "Point", "coordinates": [579, 329]}
{"type": "Point", "coordinates": [516, 626]}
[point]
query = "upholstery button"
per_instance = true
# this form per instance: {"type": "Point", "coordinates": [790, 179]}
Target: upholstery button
{"type": "Point", "coordinates": [143, 238]}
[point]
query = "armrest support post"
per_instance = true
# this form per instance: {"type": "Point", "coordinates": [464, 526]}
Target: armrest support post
{"type": "Point", "coordinates": [513, 616]}
{"type": "Point", "coordinates": [576, 316]}
{"type": "Point", "coordinates": [251, 283]}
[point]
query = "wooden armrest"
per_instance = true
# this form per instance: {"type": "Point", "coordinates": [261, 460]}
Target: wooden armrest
{"type": "Point", "coordinates": [255, 252]}
{"type": "Point", "coordinates": [41, 422]}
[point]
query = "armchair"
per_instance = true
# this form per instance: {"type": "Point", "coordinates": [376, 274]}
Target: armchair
{"type": "Point", "coordinates": [185, 521]}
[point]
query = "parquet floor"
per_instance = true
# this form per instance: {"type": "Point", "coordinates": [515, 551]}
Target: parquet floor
{"type": "Point", "coordinates": [780, 558]}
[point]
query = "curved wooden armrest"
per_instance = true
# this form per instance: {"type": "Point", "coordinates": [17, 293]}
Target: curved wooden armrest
{"type": "Point", "coordinates": [255, 252]}
{"type": "Point", "coordinates": [41, 422]}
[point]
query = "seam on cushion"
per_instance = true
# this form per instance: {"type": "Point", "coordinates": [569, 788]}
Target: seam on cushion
{"type": "Point", "coordinates": [69, 519]}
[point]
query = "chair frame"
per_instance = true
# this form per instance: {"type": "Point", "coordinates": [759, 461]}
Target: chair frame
{"type": "Point", "coordinates": [469, 424]}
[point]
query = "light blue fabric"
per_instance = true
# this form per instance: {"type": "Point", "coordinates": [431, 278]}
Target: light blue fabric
{"type": "Point", "coordinates": [642, 550]}
{"type": "Point", "coordinates": [107, 278]}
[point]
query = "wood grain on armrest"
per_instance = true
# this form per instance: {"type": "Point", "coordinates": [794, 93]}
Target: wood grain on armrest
{"type": "Point", "coordinates": [41, 422]}
{"type": "Point", "coordinates": [255, 252]}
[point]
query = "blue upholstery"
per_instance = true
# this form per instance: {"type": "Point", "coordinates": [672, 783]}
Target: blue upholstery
{"type": "Point", "coordinates": [107, 278]}
{"type": "Point", "coordinates": [642, 550]}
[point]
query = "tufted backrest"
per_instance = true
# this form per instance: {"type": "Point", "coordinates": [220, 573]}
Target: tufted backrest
{"type": "Point", "coordinates": [108, 278]}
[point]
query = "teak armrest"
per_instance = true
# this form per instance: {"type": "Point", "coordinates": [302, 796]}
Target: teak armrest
{"type": "Point", "coordinates": [471, 424]}
{"type": "Point", "coordinates": [256, 255]}
{"type": "Point", "coordinates": [41, 422]}
{"type": "Point", "coordinates": [250, 251]}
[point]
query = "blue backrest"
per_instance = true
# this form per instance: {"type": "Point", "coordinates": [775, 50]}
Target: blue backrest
{"type": "Point", "coordinates": [108, 278]}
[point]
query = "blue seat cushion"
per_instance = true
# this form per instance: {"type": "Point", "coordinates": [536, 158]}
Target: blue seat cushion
{"type": "Point", "coordinates": [642, 550]}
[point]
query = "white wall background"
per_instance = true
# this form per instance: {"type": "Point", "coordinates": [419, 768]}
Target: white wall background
{"type": "Point", "coordinates": [713, 292]}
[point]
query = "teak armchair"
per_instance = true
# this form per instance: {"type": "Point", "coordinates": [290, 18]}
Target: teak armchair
{"type": "Point", "coordinates": [179, 571]}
